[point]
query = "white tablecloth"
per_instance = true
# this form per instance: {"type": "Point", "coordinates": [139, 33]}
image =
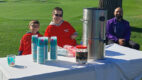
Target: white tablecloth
{"type": "Point", "coordinates": [128, 61]}
{"type": "Point", "coordinates": [120, 63]}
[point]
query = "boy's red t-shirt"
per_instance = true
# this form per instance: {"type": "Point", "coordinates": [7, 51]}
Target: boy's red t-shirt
{"type": "Point", "coordinates": [63, 33]}
{"type": "Point", "coordinates": [25, 43]}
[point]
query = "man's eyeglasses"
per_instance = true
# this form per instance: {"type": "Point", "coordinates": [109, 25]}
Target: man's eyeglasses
{"type": "Point", "coordinates": [58, 15]}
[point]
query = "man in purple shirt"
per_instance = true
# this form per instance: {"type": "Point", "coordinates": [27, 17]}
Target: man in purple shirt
{"type": "Point", "coordinates": [118, 30]}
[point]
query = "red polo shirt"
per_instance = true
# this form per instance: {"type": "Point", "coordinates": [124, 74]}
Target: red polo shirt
{"type": "Point", "coordinates": [63, 33]}
{"type": "Point", "coordinates": [25, 44]}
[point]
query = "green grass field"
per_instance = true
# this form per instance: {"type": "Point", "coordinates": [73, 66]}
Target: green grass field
{"type": "Point", "coordinates": [16, 14]}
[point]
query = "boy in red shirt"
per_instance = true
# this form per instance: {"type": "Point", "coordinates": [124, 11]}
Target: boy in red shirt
{"type": "Point", "coordinates": [25, 43]}
{"type": "Point", "coordinates": [65, 33]}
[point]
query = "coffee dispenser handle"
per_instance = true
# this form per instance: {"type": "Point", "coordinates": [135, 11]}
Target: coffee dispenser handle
{"type": "Point", "coordinates": [83, 20]}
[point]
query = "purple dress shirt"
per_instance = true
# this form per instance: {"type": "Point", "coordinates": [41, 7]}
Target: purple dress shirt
{"type": "Point", "coordinates": [117, 29]}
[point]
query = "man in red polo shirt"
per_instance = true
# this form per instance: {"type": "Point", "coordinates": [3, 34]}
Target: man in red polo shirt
{"type": "Point", "coordinates": [65, 33]}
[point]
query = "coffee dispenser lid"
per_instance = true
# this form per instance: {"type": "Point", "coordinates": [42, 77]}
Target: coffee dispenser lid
{"type": "Point", "coordinates": [95, 8]}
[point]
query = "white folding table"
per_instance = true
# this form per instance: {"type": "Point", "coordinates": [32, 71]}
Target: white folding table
{"type": "Point", "coordinates": [120, 63]}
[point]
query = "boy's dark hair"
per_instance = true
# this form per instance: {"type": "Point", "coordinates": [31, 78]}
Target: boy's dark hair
{"type": "Point", "coordinates": [58, 9]}
{"type": "Point", "coordinates": [34, 22]}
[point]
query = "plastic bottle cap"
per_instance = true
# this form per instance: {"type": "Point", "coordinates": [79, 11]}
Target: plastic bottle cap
{"type": "Point", "coordinates": [81, 47]}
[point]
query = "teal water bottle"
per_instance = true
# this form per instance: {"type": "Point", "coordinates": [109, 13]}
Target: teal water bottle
{"type": "Point", "coordinates": [34, 47]}
{"type": "Point", "coordinates": [53, 48]}
{"type": "Point", "coordinates": [46, 47]}
{"type": "Point", "coordinates": [41, 51]}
